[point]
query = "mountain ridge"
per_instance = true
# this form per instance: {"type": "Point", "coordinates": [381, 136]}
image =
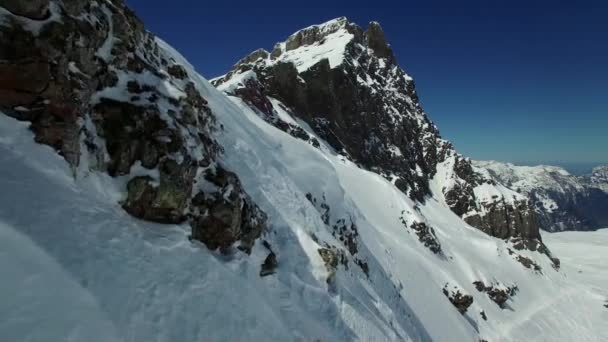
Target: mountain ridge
{"type": "Point", "coordinates": [563, 201]}
{"type": "Point", "coordinates": [177, 213]}
{"type": "Point", "coordinates": [366, 107]}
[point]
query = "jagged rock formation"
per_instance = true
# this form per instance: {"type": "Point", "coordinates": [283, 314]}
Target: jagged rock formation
{"type": "Point", "coordinates": [97, 88]}
{"type": "Point", "coordinates": [563, 201]}
{"type": "Point", "coordinates": [459, 300]}
{"type": "Point", "coordinates": [498, 293]}
{"type": "Point", "coordinates": [133, 119]}
{"type": "Point", "coordinates": [344, 82]}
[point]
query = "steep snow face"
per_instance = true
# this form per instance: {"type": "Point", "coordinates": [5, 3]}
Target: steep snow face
{"type": "Point", "coordinates": [118, 100]}
{"type": "Point", "coordinates": [143, 281]}
{"type": "Point", "coordinates": [307, 47]}
{"type": "Point", "coordinates": [526, 178]}
{"type": "Point", "coordinates": [339, 88]}
{"type": "Point", "coordinates": [354, 257]}
{"type": "Point", "coordinates": [584, 261]}
{"type": "Point", "coordinates": [563, 201]}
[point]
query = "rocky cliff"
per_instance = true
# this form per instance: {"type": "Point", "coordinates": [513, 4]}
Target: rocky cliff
{"type": "Point", "coordinates": [344, 82]}
{"type": "Point", "coordinates": [360, 203]}
{"type": "Point", "coordinates": [563, 201]}
{"type": "Point", "coordinates": [98, 89]}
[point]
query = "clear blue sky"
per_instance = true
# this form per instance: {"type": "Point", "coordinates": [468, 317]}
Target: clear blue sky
{"type": "Point", "coordinates": [522, 81]}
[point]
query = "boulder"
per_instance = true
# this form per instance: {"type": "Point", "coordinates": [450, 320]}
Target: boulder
{"type": "Point", "coordinates": [269, 266]}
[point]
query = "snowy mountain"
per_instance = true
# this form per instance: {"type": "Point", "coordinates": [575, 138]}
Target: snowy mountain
{"type": "Point", "coordinates": [599, 178]}
{"type": "Point", "coordinates": [562, 200]}
{"type": "Point", "coordinates": [340, 84]}
{"type": "Point", "coordinates": [140, 203]}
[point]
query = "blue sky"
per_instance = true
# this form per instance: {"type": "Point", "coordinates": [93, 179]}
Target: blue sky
{"type": "Point", "coordinates": [520, 81]}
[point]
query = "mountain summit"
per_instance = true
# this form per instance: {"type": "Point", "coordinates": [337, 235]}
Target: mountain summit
{"type": "Point", "coordinates": [345, 84]}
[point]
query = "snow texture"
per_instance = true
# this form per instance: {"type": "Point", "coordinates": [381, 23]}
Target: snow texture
{"type": "Point", "coordinates": [82, 269]}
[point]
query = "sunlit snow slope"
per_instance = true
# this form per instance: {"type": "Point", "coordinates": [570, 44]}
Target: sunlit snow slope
{"type": "Point", "coordinates": [80, 268]}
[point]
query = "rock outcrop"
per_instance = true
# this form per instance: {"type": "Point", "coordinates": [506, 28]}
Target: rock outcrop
{"type": "Point", "coordinates": [100, 90]}
{"type": "Point", "coordinates": [460, 301]}
{"type": "Point", "coordinates": [562, 201]}
{"type": "Point", "coordinates": [344, 83]}
{"type": "Point", "coordinates": [498, 293]}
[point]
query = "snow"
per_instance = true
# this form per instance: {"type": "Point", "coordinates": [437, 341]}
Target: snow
{"type": "Point", "coordinates": [105, 51]}
{"type": "Point", "coordinates": [130, 280]}
{"type": "Point", "coordinates": [528, 178]}
{"type": "Point", "coordinates": [583, 256]}
{"type": "Point", "coordinates": [238, 80]}
{"type": "Point", "coordinates": [331, 48]}
{"type": "Point", "coordinates": [28, 273]}
{"type": "Point", "coordinates": [282, 113]}
{"type": "Point", "coordinates": [488, 193]}
{"type": "Point", "coordinates": [395, 150]}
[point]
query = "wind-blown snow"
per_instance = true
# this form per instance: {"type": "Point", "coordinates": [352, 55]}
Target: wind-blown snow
{"type": "Point", "coordinates": [139, 281]}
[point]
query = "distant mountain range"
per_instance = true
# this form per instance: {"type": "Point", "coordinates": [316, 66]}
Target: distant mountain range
{"type": "Point", "coordinates": [575, 168]}
{"type": "Point", "coordinates": [564, 201]}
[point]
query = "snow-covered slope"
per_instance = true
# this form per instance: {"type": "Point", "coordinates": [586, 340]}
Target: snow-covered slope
{"type": "Point", "coordinates": [150, 283]}
{"type": "Point", "coordinates": [599, 178]}
{"type": "Point", "coordinates": [355, 257]}
{"type": "Point", "coordinates": [338, 83]}
{"type": "Point", "coordinates": [563, 201]}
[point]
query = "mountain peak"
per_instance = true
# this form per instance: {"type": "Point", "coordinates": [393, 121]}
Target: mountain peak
{"type": "Point", "coordinates": [377, 41]}
{"type": "Point", "coordinates": [327, 34]}
{"type": "Point", "coordinates": [332, 40]}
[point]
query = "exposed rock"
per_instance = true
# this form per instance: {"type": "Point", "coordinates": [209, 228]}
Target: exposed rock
{"type": "Point", "coordinates": [253, 93]}
{"type": "Point", "coordinates": [78, 79]}
{"type": "Point", "coordinates": [498, 294]}
{"type": "Point", "coordinates": [367, 109]}
{"type": "Point", "coordinates": [363, 265]}
{"type": "Point", "coordinates": [504, 215]}
{"type": "Point", "coordinates": [270, 263]}
{"type": "Point", "coordinates": [33, 9]}
{"type": "Point", "coordinates": [177, 71]}
{"type": "Point", "coordinates": [27, 77]}
{"type": "Point", "coordinates": [377, 41]}
{"type": "Point", "coordinates": [562, 201]}
{"type": "Point", "coordinates": [269, 266]}
{"type": "Point", "coordinates": [527, 262]}
{"type": "Point", "coordinates": [254, 56]}
{"type": "Point", "coordinates": [598, 178]}
{"type": "Point", "coordinates": [459, 300]}
{"type": "Point", "coordinates": [347, 233]}
{"type": "Point", "coordinates": [426, 235]}
{"type": "Point", "coordinates": [556, 263]}
{"type": "Point", "coordinates": [227, 215]}
{"type": "Point", "coordinates": [332, 257]}
{"type": "Point", "coordinates": [345, 230]}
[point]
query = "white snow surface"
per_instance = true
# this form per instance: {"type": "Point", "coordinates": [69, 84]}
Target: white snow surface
{"type": "Point", "coordinates": [332, 48]}
{"type": "Point", "coordinates": [80, 268]}
{"type": "Point", "coordinates": [527, 178]}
